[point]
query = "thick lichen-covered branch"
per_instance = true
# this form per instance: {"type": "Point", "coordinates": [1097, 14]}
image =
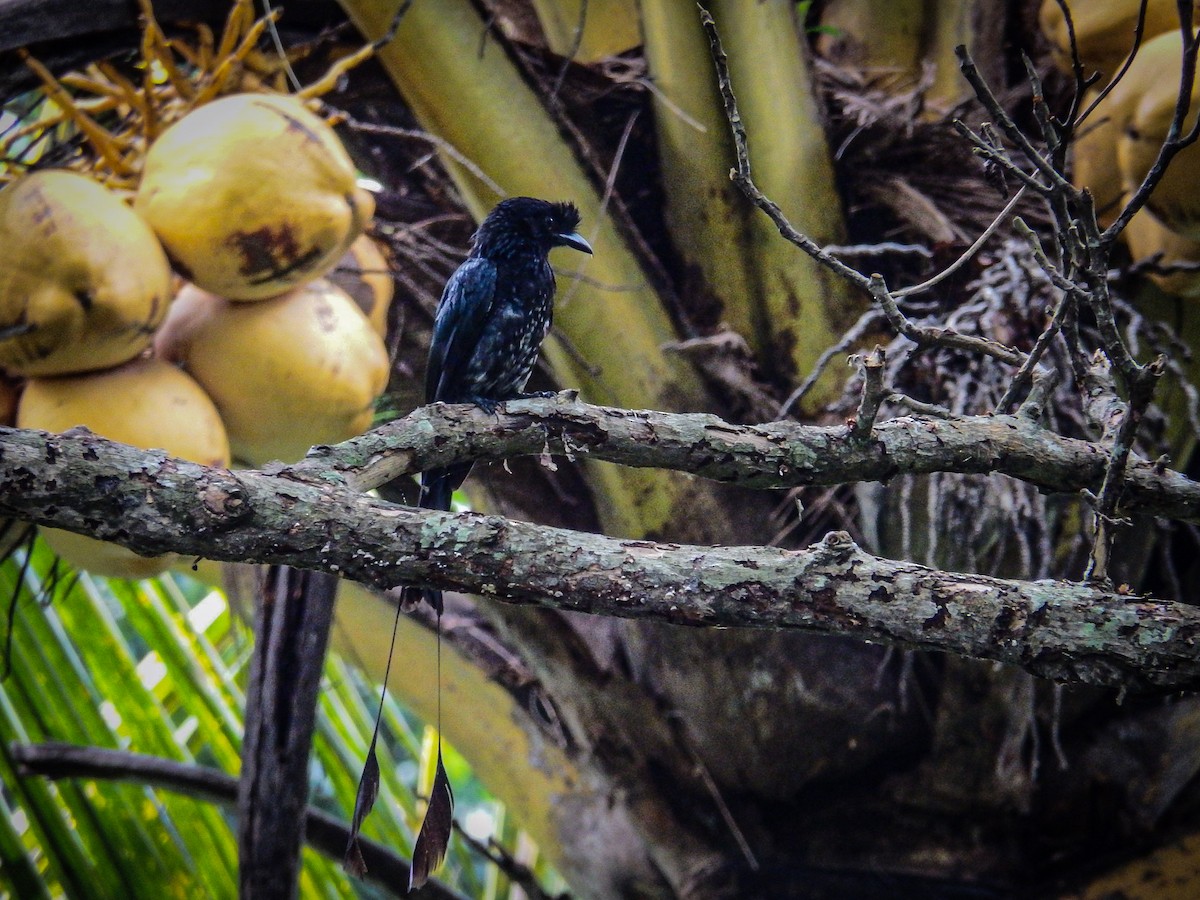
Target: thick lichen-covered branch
{"type": "Point", "coordinates": [154, 504]}
{"type": "Point", "coordinates": [772, 455]}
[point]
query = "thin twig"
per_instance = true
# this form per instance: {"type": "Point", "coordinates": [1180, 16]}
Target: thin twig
{"type": "Point", "coordinates": [680, 727]}
{"type": "Point", "coordinates": [1044, 383]}
{"type": "Point", "coordinates": [873, 284]}
{"type": "Point", "coordinates": [741, 174]}
{"type": "Point", "coordinates": [856, 331]}
{"type": "Point", "coordinates": [1041, 113]}
{"type": "Point", "coordinates": [1040, 346]}
{"type": "Point", "coordinates": [921, 408]}
{"type": "Point", "coordinates": [968, 253]}
{"type": "Point", "coordinates": [1054, 178]}
{"type": "Point", "coordinates": [1082, 82]}
{"type": "Point", "coordinates": [994, 153]}
{"type": "Point", "coordinates": [416, 134]}
{"type": "Point", "coordinates": [883, 248]}
{"type": "Point", "coordinates": [514, 870]}
{"type": "Point", "coordinates": [1141, 392]}
{"type": "Point", "coordinates": [277, 42]}
{"type": "Point", "coordinates": [1049, 269]}
{"type": "Point", "coordinates": [924, 336]}
{"type": "Point", "coordinates": [610, 183]}
{"type": "Point", "coordinates": [576, 41]}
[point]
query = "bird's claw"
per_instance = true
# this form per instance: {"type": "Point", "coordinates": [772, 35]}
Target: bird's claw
{"type": "Point", "coordinates": [488, 406]}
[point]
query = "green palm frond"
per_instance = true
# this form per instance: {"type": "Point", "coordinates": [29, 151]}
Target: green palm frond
{"type": "Point", "coordinates": [156, 667]}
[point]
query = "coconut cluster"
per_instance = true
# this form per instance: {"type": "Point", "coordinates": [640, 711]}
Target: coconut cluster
{"type": "Point", "coordinates": [1119, 142]}
{"type": "Point", "coordinates": [265, 339]}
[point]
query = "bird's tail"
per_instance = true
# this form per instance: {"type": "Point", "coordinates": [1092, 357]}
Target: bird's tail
{"type": "Point", "coordinates": [433, 837]}
{"type": "Point", "coordinates": [437, 487]}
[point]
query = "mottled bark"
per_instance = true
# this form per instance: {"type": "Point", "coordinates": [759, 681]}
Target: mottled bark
{"type": "Point", "coordinates": [774, 455]}
{"type": "Point", "coordinates": [299, 517]}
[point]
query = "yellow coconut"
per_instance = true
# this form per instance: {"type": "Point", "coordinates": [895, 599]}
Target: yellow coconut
{"type": "Point", "coordinates": [363, 274]}
{"type": "Point", "coordinates": [1147, 237]}
{"type": "Point", "coordinates": [1103, 30]}
{"type": "Point", "coordinates": [1094, 157]}
{"type": "Point", "coordinates": [252, 195]}
{"type": "Point", "coordinates": [1175, 201]}
{"type": "Point", "coordinates": [83, 282]}
{"type": "Point", "coordinates": [147, 403]}
{"type": "Point", "coordinates": [287, 373]}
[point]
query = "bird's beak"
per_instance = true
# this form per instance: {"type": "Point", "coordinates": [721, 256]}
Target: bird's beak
{"type": "Point", "coordinates": [574, 240]}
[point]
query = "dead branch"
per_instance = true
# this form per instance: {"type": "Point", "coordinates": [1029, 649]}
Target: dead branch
{"type": "Point", "coordinates": [771, 455]}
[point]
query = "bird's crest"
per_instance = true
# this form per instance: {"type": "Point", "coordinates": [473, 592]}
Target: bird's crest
{"type": "Point", "coordinates": [566, 215]}
{"type": "Point", "coordinates": [516, 223]}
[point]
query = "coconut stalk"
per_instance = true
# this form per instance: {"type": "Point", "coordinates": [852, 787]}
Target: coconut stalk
{"type": "Point", "coordinates": [976, 24]}
{"type": "Point", "coordinates": [589, 30]}
{"type": "Point", "coordinates": [789, 308]}
{"type": "Point", "coordinates": [704, 211]}
{"type": "Point", "coordinates": [879, 36]}
{"type": "Point", "coordinates": [478, 102]}
{"type": "Point", "coordinates": [898, 40]}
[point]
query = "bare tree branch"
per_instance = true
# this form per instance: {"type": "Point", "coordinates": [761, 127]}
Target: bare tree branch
{"type": "Point", "coordinates": [873, 284]}
{"type": "Point", "coordinates": [154, 504]}
{"type": "Point", "coordinates": [770, 455]}
{"type": "Point", "coordinates": [1082, 247]}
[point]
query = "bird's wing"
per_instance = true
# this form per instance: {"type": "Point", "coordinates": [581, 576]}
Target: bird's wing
{"type": "Point", "coordinates": [459, 321]}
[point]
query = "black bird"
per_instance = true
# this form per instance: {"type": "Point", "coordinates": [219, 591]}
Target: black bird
{"type": "Point", "coordinates": [493, 316]}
